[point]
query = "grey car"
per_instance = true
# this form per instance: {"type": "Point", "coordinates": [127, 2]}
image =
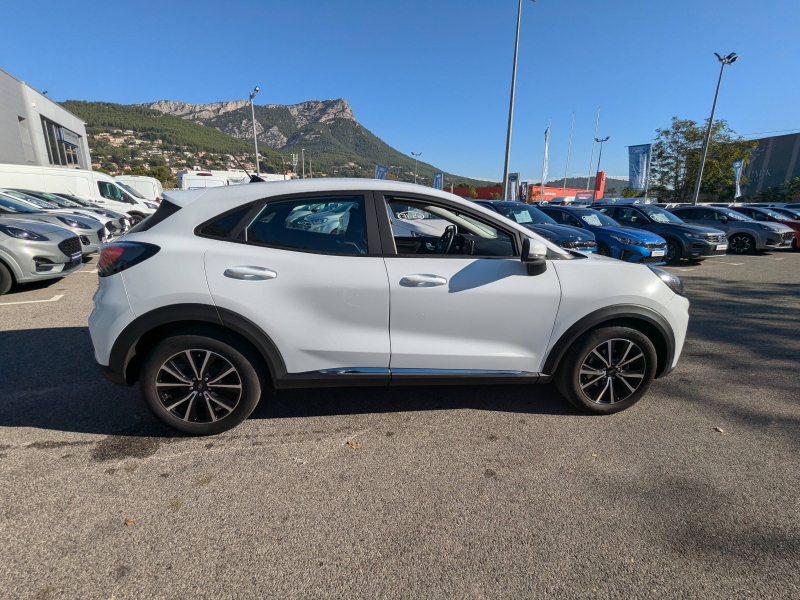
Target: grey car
{"type": "Point", "coordinates": [91, 234]}
{"type": "Point", "coordinates": [31, 251]}
{"type": "Point", "coordinates": [745, 235]}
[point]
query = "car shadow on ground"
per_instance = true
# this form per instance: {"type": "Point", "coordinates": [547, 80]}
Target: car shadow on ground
{"type": "Point", "coordinates": [50, 381]}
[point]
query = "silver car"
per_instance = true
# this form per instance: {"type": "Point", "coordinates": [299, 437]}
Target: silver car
{"type": "Point", "coordinates": [116, 223]}
{"type": "Point", "coordinates": [92, 234]}
{"type": "Point", "coordinates": [745, 235]}
{"type": "Point", "coordinates": [31, 251]}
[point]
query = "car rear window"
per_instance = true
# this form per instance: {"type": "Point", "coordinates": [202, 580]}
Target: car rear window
{"type": "Point", "coordinates": [224, 225]}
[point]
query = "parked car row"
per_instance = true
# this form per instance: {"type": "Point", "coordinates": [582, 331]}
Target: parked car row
{"type": "Point", "coordinates": [46, 236]}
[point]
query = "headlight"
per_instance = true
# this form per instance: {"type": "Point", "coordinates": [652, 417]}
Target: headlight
{"type": "Point", "coordinates": [673, 282]}
{"type": "Point", "coordinates": [320, 220]}
{"type": "Point", "coordinates": [22, 234]}
{"type": "Point", "coordinates": [73, 223]}
{"type": "Point", "coordinates": [694, 236]}
{"type": "Point", "coordinates": [769, 227]}
{"type": "Point", "coordinates": [628, 241]}
{"type": "Point", "coordinates": [151, 205]}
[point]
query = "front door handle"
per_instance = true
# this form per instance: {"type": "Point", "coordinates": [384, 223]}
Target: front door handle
{"type": "Point", "coordinates": [246, 273]}
{"type": "Point", "coordinates": [422, 280]}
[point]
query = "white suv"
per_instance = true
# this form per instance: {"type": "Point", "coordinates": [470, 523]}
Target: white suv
{"type": "Point", "coordinates": [219, 295]}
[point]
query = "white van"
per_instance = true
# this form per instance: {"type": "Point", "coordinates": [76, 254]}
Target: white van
{"type": "Point", "coordinates": [200, 179]}
{"type": "Point", "coordinates": [149, 187]}
{"type": "Point", "coordinates": [96, 187]}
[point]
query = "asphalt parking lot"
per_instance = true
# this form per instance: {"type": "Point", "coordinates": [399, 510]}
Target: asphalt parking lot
{"type": "Point", "coordinates": [412, 492]}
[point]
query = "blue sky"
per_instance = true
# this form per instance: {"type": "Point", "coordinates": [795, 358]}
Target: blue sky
{"type": "Point", "coordinates": [431, 76]}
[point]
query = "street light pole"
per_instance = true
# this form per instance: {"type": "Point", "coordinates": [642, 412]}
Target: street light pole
{"type": "Point", "coordinates": [569, 151]}
{"type": "Point", "coordinates": [724, 60]}
{"type": "Point", "coordinates": [599, 158]}
{"type": "Point", "coordinates": [416, 156]}
{"type": "Point", "coordinates": [255, 137]}
{"type": "Point", "coordinates": [303, 153]}
{"type": "Point", "coordinates": [511, 104]}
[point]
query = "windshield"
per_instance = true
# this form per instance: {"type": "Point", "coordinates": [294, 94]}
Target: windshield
{"type": "Point", "coordinates": [772, 213]}
{"type": "Point", "coordinates": [735, 216]}
{"type": "Point", "coordinates": [522, 213]}
{"type": "Point", "coordinates": [78, 201]}
{"type": "Point", "coordinates": [659, 215]}
{"type": "Point", "coordinates": [130, 190]}
{"type": "Point", "coordinates": [30, 199]}
{"type": "Point", "coordinates": [10, 205]}
{"type": "Point", "coordinates": [792, 213]}
{"type": "Point", "coordinates": [60, 201]}
{"type": "Point", "coordinates": [593, 218]}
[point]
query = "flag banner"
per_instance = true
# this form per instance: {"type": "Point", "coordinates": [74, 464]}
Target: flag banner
{"type": "Point", "coordinates": [438, 181]}
{"type": "Point", "coordinates": [381, 171]}
{"type": "Point", "coordinates": [523, 191]}
{"type": "Point", "coordinates": [513, 186]}
{"type": "Point", "coordinates": [545, 163]}
{"type": "Point", "coordinates": [737, 170]}
{"type": "Point", "coordinates": [638, 166]}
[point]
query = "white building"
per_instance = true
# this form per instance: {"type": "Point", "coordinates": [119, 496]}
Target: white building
{"type": "Point", "coordinates": [34, 130]}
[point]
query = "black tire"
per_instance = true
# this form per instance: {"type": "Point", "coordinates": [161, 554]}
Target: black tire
{"type": "Point", "coordinates": [136, 218]}
{"type": "Point", "coordinates": [576, 386]}
{"type": "Point", "coordinates": [794, 243]}
{"type": "Point", "coordinates": [674, 252]}
{"type": "Point", "coordinates": [6, 279]}
{"type": "Point", "coordinates": [742, 243]}
{"type": "Point", "coordinates": [603, 250]}
{"type": "Point", "coordinates": [194, 416]}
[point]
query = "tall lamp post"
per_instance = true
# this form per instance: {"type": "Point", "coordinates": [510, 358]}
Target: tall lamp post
{"type": "Point", "coordinates": [255, 137]}
{"type": "Point", "coordinates": [303, 153]}
{"type": "Point", "coordinates": [600, 157]}
{"type": "Point", "coordinates": [416, 156]}
{"type": "Point", "coordinates": [724, 60]}
{"type": "Point", "coordinates": [511, 104]}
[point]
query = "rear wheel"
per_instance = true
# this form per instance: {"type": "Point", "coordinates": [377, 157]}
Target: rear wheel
{"type": "Point", "coordinates": [201, 385]}
{"type": "Point", "coordinates": [741, 243]}
{"type": "Point", "coordinates": [6, 279]}
{"type": "Point", "coordinates": [607, 370]}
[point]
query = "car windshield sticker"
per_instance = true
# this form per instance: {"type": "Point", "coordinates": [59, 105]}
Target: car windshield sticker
{"type": "Point", "coordinates": [659, 217]}
{"type": "Point", "coordinates": [592, 220]}
{"type": "Point", "coordinates": [523, 216]}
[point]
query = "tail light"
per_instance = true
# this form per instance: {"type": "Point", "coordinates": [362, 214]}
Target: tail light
{"type": "Point", "coordinates": [123, 255]}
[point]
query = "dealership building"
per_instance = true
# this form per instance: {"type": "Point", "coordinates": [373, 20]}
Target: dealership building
{"type": "Point", "coordinates": [37, 131]}
{"type": "Point", "coordinates": [774, 161]}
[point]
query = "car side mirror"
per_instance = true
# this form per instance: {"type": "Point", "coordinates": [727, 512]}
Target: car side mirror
{"type": "Point", "coordinates": [724, 219]}
{"type": "Point", "coordinates": [533, 256]}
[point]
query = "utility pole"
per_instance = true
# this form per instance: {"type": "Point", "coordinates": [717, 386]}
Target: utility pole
{"type": "Point", "coordinates": [303, 152]}
{"type": "Point", "coordinates": [416, 156]}
{"type": "Point", "coordinates": [569, 151]}
{"type": "Point", "coordinates": [724, 60]}
{"type": "Point", "coordinates": [591, 159]}
{"type": "Point", "coordinates": [511, 104]}
{"type": "Point", "coordinates": [294, 164]}
{"type": "Point", "coordinates": [255, 137]}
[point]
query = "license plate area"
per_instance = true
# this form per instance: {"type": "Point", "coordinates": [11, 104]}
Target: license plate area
{"type": "Point", "coordinates": [657, 253]}
{"type": "Point", "coordinates": [722, 247]}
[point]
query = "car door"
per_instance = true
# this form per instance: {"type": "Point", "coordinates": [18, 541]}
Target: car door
{"type": "Point", "coordinates": [472, 309]}
{"type": "Point", "coordinates": [712, 218]}
{"type": "Point", "coordinates": [316, 285]}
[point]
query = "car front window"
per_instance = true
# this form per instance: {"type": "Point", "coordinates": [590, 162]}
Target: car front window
{"type": "Point", "coordinates": [130, 190]}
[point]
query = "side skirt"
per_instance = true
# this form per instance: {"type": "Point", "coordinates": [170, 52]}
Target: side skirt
{"type": "Point", "coordinates": [347, 377]}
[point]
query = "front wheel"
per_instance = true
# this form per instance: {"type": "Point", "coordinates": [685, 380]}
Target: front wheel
{"type": "Point", "coordinates": [136, 218]}
{"type": "Point", "coordinates": [741, 243]}
{"type": "Point", "coordinates": [607, 370]}
{"type": "Point", "coordinates": [603, 250]}
{"type": "Point", "coordinates": [6, 279]}
{"type": "Point", "coordinates": [201, 385]}
{"type": "Point", "coordinates": [674, 253]}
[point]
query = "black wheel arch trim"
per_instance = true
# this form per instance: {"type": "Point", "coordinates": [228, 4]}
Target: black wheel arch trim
{"type": "Point", "coordinates": [618, 313]}
{"type": "Point", "coordinates": [124, 349]}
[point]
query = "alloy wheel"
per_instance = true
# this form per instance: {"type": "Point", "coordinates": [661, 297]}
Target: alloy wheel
{"type": "Point", "coordinates": [198, 386]}
{"type": "Point", "coordinates": [612, 372]}
{"type": "Point", "coordinates": [741, 244]}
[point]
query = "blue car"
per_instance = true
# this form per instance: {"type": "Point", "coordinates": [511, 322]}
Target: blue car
{"type": "Point", "coordinates": [534, 219]}
{"type": "Point", "coordinates": [624, 243]}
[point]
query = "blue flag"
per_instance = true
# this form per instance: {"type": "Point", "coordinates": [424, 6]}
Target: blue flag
{"type": "Point", "coordinates": [381, 171]}
{"type": "Point", "coordinates": [438, 181]}
{"type": "Point", "coordinates": [737, 170]}
{"type": "Point", "coordinates": [638, 166]}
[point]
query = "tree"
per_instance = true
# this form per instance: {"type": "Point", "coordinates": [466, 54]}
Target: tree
{"type": "Point", "coordinates": [495, 196]}
{"type": "Point", "coordinates": [788, 191]}
{"type": "Point", "coordinates": [676, 160]}
{"type": "Point", "coordinates": [629, 193]}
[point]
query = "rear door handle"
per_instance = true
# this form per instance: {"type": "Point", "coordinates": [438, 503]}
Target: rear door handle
{"type": "Point", "coordinates": [422, 280]}
{"type": "Point", "coordinates": [247, 273]}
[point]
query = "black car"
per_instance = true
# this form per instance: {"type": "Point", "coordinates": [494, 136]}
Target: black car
{"type": "Point", "coordinates": [534, 219]}
{"type": "Point", "coordinates": [693, 242]}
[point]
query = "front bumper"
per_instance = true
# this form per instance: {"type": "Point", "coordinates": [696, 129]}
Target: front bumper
{"type": "Point", "coordinates": [778, 240]}
{"type": "Point", "coordinates": [112, 375]}
{"type": "Point", "coordinates": [91, 241]}
{"type": "Point", "coordinates": [37, 261]}
{"type": "Point", "coordinates": [700, 249]}
{"type": "Point", "coordinates": [642, 255]}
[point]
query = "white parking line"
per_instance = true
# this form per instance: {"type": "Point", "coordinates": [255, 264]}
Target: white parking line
{"type": "Point", "coordinates": [53, 299]}
{"type": "Point", "coordinates": [88, 272]}
{"type": "Point", "coordinates": [724, 263]}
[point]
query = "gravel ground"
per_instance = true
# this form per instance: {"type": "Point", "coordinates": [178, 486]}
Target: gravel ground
{"type": "Point", "coordinates": [435, 492]}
